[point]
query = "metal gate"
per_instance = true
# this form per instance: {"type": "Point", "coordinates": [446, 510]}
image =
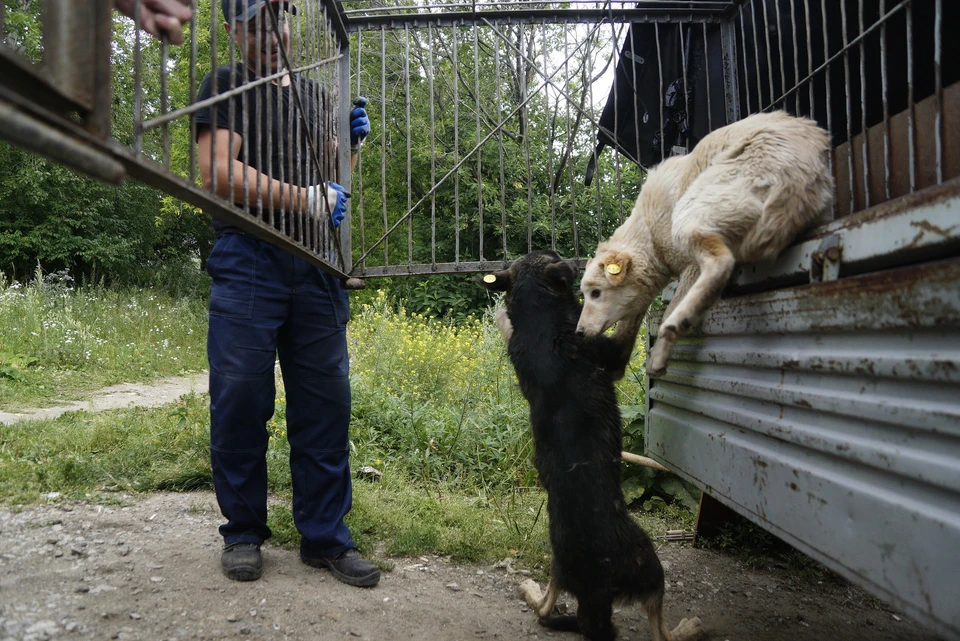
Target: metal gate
{"type": "Point", "coordinates": [56, 99]}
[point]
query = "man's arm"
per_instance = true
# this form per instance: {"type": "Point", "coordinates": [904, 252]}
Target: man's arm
{"type": "Point", "coordinates": [282, 195]}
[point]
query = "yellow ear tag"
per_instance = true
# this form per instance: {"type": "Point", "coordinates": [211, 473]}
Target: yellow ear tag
{"type": "Point", "coordinates": [613, 269]}
{"type": "Point", "coordinates": [490, 278]}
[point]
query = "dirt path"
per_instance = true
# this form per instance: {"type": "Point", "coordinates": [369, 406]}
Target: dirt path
{"type": "Point", "coordinates": [150, 571]}
{"type": "Point", "coordinates": [164, 391]}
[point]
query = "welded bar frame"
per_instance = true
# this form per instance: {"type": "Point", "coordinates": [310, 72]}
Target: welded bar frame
{"type": "Point", "coordinates": [527, 17]}
{"type": "Point", "coordinates": [498, 125]}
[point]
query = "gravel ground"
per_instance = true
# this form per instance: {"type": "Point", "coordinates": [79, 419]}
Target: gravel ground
{"type": "Point", "coordinates": [149, 569]}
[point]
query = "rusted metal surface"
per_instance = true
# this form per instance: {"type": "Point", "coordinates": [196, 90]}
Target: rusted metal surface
{"type": "Point", "coordinates": [30, 133]}
{"type": "Point", "coordinates": [69, 52]}
{"type": "Point", "coordinates": [363, 15]}
{"type": "Point", "coordinates": [921, 146]}
{"type": "Point", "coordinates": [907, 229]}
{"type": "Point", "coordinates": [830, 415]}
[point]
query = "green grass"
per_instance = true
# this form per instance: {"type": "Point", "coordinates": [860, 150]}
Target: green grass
{"type": "Point", "coordinates": [97, 457]}
{"type": "Point", "coordinates": [58, 343]}
{"type": "Point", "coordinates": [435, 408]}
{"type": "Point", "coordinates": [83, 455]}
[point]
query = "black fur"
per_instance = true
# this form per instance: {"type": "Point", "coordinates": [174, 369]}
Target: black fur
{"type": "Point", "coordinates": [600, 554]}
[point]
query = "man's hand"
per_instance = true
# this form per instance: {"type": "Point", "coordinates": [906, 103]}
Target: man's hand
{"type": "Point", "coordinates": [160, 16]}
{"type": "Point", "coordinates": [359, 122]}
{"type": "Point", "coordinates": [336, 197]}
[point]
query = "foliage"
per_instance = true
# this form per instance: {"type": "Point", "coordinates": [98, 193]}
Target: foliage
{"type": "Point", "coordinates": [439, 398]}
{"type": "Point", "coordinates": [451, 297]}
{"type": "Point", "coordinates": [60, 342]}
{"type": "Point", "coordinates": [521, 151]}
{"type": "Point", "coordinates": [135, 449]}
{"type": "Point", "coordinates": [435, 409]}
{"type": "Point", "coordinates": [62, 220]}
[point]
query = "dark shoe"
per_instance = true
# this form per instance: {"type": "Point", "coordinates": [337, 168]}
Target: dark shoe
{"type": "Point", "coordinates": [349, 567]}
{"type": "Point", "coordinates": [242, 561]}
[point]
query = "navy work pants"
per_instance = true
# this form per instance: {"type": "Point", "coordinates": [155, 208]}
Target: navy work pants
{"type": "Point", "coordinates": [265, 302]}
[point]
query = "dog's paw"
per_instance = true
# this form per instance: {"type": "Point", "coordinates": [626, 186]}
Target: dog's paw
{"type": "Point", "coordinates": [689, 630]}
{"type": "Point", "coordinates": [530, 592]}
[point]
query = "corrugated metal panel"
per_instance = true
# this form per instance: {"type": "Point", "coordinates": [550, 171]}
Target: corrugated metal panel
{"type": "Point", "coordinates": [923, 224]}
{"type": "Point", "coordinates": [830, 415]}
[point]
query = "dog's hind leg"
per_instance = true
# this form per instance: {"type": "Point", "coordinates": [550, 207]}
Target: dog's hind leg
{"type": "Point", "coordinates": [716, 262]}
{"type": "Point", "coordinates": [594, 613]}
{"type": "Point", "coordinates": [542, 604]}
{"type": "Point", "coordinates": [686, 630]}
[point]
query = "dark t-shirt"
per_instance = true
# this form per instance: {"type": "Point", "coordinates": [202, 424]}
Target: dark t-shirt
{"type": "Point", "coordinates": [274, 135]}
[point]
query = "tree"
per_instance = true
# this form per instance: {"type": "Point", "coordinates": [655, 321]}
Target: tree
{"type": "Point", "coordinates": [62, 220]}
{"type": "Point", "coordinates": [521, 149]}
{"type": "Point", "coordinates": [461, 123]}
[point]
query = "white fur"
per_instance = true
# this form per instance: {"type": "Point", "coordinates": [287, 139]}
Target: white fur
{"type": "Point", "coordinates": [742, 195]}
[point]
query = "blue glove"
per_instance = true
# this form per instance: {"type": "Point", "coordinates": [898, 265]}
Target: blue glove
{"type": "Point", "coordinates": [337, 198]}
{"type": "Point", "coordinates": [359, 122]}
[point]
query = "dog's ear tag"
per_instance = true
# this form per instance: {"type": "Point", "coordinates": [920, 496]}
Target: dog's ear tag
{"type": "Point", "coordinates": [490, 278]}
{"type": "Point", "coordinates": [613, 269]}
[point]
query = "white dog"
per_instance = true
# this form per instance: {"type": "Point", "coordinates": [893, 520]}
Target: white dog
{"type": "Point", "coordinates": [742, 195]}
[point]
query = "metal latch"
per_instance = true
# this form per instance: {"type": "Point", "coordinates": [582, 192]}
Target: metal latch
{"type": "Point", "coordinates": [825, 261]}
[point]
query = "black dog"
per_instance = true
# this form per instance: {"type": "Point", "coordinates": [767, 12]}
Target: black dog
{"type": "Point", "coordinates": [600, 554]}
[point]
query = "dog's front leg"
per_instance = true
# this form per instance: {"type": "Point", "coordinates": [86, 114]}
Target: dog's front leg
{"type": "Point", "coordinates": [504, 324]}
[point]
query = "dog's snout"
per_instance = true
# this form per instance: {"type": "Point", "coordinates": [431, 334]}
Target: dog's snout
{"type": "Point", "coordinates": [581, 331]}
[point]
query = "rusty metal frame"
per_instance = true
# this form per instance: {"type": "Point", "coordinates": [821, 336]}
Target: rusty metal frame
{"type": "Point", "coordinates": [828, 414]}
{"type": "Point", "coordinates": [72, 79]}
{"type": "Point", "coordinates": [61, 108]}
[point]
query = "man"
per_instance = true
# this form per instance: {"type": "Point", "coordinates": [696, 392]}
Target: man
{"type": "Point", "coordinates": [264, 302]}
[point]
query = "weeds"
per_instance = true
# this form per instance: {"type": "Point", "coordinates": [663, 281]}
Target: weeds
{"type": "Point", "coordinates": [59, 343]}
{"type": "Point", "coordinates": [435, 409]}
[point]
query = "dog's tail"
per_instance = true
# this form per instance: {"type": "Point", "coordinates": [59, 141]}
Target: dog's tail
{"type": "Point", "coordinates": [564, 623]}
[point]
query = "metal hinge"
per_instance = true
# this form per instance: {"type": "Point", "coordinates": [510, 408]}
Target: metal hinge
{"type": "Point", "coordinates": [825, 261]}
